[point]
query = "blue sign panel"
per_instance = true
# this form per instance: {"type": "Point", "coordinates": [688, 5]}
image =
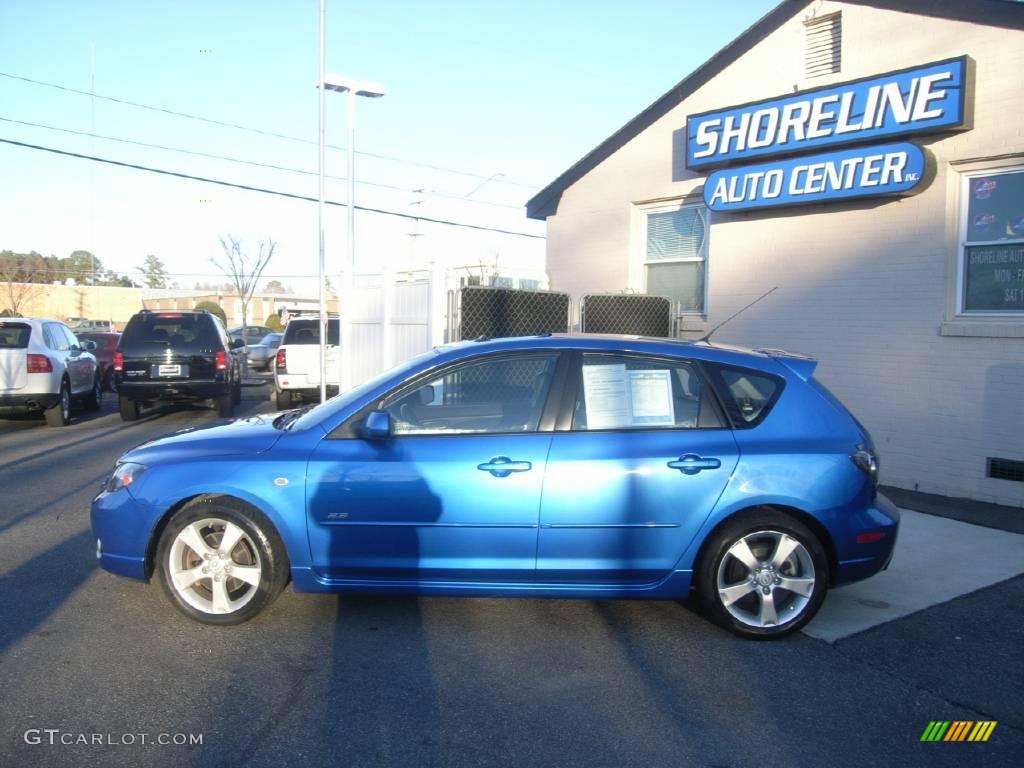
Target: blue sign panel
{"type": "Point", "coordinates": [861, 172]}
{"type": "Point", "coordinates": [926, 98]}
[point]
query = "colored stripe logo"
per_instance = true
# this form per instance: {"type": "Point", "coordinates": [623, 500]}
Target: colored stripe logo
{"type": "Point", "coordinates": [959, 730]}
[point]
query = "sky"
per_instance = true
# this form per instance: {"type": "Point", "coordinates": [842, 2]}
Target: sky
{"type": "Point", "coordinates": [487, 102]}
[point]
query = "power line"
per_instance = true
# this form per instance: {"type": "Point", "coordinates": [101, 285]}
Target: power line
{"type": "Point", "coordinates": [264, 190]}
{"type": "Point", "coordinates": [260, 131]}
{"type": "Point", "coordinates": [255, 163]}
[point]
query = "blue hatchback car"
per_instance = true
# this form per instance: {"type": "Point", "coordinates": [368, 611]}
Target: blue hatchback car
{"type": "Point", "coordinates": [550, 466]}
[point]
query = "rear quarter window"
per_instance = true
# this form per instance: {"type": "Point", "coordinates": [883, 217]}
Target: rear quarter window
{"type": "Point", "coordinates": [748, 395]}
{"type": "Point", "coordinates": [14, 335]}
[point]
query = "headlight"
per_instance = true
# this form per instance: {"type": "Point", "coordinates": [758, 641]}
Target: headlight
{"type": "Point", "coordinates": [867, 460]}
{"type": "Point", "coordinates": [124, 475]}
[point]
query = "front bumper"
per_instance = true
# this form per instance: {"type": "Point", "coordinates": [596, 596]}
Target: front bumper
{"type": "Point", "coordinates": [122, 527]}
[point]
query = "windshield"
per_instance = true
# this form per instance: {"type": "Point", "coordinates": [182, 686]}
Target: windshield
{"type": "Point", "coordinates": [340, 402]}
{"type": "Point", "coordinates": [307, 331]}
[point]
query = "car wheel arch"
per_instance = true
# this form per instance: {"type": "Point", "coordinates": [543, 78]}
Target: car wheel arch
{"type": "Point", "coordinates": [808, 520]}
{"type": "Point", "coordinates": [272, 528]}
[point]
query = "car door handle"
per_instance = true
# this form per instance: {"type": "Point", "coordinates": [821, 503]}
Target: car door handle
{"type": "Point", "coordinates": [503, 466]}
{"type": "Point", "coordinates": [691, 464]}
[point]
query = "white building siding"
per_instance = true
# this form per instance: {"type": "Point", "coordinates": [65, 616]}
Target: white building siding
{"type": "Point", "coordinates": [864, 287]}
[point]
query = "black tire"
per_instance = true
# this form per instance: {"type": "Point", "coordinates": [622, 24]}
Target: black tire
{"type": "Point", "coordinates": [129, 408]}
{"type": "Point", "coordinates": [236, 393]}
{"type": "Point", "coordinates": [60, 414]}
{"type": "Point", "coordinates": [225, 406]}
{"type": "Point", "coordinates": [764, 531]}
{"type": "Point", "coordinates": [257, 546]}
{"type": "Point", "coordinates": [284, 400]}
{"type": "Point", "coordinates": [94, 399]}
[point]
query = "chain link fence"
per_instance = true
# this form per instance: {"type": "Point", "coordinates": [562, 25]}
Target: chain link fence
{"type": "Point", "coordinates": [476, 311]}
{"type": "Point", "coordinates": [628, 313]}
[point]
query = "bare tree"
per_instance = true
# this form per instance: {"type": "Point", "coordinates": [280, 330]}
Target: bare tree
{"type": "Point", "coordinates": [243, 270]}
{"type": "Point", "coordinates": [18, 286]}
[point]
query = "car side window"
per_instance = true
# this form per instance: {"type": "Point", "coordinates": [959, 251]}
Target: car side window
{"type": "Point", "coordinates": [491, 396]}
{"type": "Point", "coordinates": [55, 338]}
{"type": "Point", "coordinates": [748, 395]}
{"type": "Point", "coordinates": [72, 340]}
{"type": "Point", "coordinates": [627, 392]}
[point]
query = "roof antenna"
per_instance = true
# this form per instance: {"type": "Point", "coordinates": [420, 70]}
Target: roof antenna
{"type": "Point", "coordinates": [707, 336]}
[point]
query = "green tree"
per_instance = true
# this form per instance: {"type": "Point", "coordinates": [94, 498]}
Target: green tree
{"type": "Point", "coordinates": [276, 286]}
{"type": "Point", "coordinates": [83, 266]}
{"type": "Point", "coordinates": [213, 308]}
{"type": "Point", "coordinates": [153, 273]}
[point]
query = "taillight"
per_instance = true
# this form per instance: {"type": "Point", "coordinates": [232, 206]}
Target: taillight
{"type": "Point", "coordinates": [39, 364]}
{"type": "Point", "coordinates": [119, 361]}
{"type": "Point", "coordinates": [867, 461]}
{"type": "Point", "coordinates": [282, 359]}
{"type": "Point", "coordinates": [222, 360]}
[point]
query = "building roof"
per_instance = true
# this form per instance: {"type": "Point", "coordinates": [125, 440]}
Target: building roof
{"type": "Point", "coordinates": [1008, 14]}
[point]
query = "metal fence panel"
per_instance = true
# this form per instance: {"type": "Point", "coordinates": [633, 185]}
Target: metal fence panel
{"type": "Point", "coordinates": [628, 313]}
{"type": "Point", "coordinates": [500, 312]}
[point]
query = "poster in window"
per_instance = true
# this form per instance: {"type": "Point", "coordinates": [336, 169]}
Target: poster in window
{"type": "Point", "coordinates": [994, 278]}
{"type": "Point", "coordinates": [651, 398]}
{"type": "Point", "coordinates": [606, 396]}
{"type": "Point", "coordinates": [995, 207]}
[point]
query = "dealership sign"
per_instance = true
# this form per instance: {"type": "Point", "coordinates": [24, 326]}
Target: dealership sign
{"type": "Point", "coordinates": [928, 98]}
{"type": "Point", "coordinates": [860, 172]}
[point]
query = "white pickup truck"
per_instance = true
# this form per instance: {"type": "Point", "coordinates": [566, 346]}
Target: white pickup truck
{"type": "Point", "coordinates": [297, 366]}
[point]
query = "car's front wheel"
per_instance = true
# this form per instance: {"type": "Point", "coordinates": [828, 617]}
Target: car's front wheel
{"type": "Point", "coordinates": [221, 562]}
{"type": "Point", "coordinates": [763, 575]}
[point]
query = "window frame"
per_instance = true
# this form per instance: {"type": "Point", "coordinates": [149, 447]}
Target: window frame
{"type": "Point", "coordinates": [675, 206]}
{"type": "Point", "coordinates": [962, 244]}
{"type": "Point", "coordinates": [351, 428]}
{"type": "Point", "coordinates": [575, 378]}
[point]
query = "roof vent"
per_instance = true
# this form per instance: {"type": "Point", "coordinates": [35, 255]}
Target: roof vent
{"type": "Point", "coordinates": [823, 38]}
{"type": "Point", "coordinates": [1005, 469]}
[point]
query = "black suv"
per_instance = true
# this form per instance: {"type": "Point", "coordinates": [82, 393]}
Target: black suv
{"type": "Point", "coordinates": [176, 357]}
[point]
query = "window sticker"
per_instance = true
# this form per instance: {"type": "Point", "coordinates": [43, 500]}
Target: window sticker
{"type": "Point", "coordinates": [616, 398]}
{"type": "Point", "coordinates": [606, 395]}
{"type": "Point", "coordinates": [651, 398]}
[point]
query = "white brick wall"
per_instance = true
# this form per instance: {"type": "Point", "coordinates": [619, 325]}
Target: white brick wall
{"type": "Point", "coordinates": [863, 287]}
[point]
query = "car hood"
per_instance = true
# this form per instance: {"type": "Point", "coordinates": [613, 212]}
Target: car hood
{"type": "Point", "coordinates": [251, 435]}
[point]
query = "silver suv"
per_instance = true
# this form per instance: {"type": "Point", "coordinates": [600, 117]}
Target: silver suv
{"type": "Point", "coordinates": [297, 365]}
{"type": "Point", "coordinates": [43, 367]}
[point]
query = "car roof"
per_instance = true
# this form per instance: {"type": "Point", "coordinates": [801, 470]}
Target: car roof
{"type": "Point", "coordinates": [615, 343]}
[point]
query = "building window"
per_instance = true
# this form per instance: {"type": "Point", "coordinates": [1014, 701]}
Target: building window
{"type": "Point", "coordinates": [675, 262]}
{"type": "Point", "coordinates": [992, 244]}
{"type": "Point", "coordinates": [823, 40]}
{"type": "Point", "coordinates": [497, 281]}
{"type": "Point", "coordinates": [529, 284]}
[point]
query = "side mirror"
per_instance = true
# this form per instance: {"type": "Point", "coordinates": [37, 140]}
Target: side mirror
{"type": "Point", "coordinates": [377, 426]}
{"type": "Point", "coordinates": [236, 344]}
{"type": "Point", "coordinates": [89, 346]}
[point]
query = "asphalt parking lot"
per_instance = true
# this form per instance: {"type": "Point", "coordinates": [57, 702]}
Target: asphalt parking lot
{"type": "Point", "coordinates": [324, 680]}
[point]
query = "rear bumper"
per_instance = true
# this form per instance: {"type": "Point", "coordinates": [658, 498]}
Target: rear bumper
{"type": "Point", "coordinates": [27, 403]}
{"type": "Point", "coordinates": [173, 390]}
{"type": "Point", "coordinates": [883, 518]}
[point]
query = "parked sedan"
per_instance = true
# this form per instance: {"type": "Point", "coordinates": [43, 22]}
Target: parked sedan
{"type": "Point", "coordinates": [106, 345]}
{"type": "Point", "coordinates": [588, 467]}
{"type": "Point", "coordinates": [262, 355]}
{"type": "Point", "coordinates": [44, 368]}
{"type": "Point", "coordinates": [253, 333]}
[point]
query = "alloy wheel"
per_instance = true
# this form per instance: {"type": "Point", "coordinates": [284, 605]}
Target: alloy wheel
{"type": "Point", "coordinates": [766, 579]}
{"type": "Point", "coordinates": [214, 566]}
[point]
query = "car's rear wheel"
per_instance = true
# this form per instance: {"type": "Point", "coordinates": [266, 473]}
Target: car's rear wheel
{"type": "Point", "coordinates": [94, 399]}
{"type": "Point", "coordinates": [236, 393]}
{"type": "Point", "coordinates": [221, 562]}
{"type": "Point", "coordinates": [60, 414]}
{"type": "Point", "coordinates": [763, 575]}
{"type": "Point", "coordinates": [225, 406]}
{"type": "Point", "coordinates": [284, 400]}
{"type": "Point", "coordinates": [129, 408]}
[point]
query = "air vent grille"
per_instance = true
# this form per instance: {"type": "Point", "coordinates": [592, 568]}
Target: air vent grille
{"type": "Point", "coordinates": [1006, 469]}
{"type": "Point", "coordinates": [823, 42]}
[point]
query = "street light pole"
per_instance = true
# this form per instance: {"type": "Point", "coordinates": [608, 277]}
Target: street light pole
{"type": "Point", "coordinates": [352, 88]}
{"type": "Point", "coordinates": [320, 212]}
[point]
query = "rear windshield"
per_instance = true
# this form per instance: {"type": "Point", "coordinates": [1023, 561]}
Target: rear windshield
{"type": "Point", "coordinates": [14, 335]}
{"type": "Point", "coordinates": [192, 333]}
{"type": "Point", "coordinates": [103, 340]}
{"type": "Point", "coordinates": [307, 331]}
